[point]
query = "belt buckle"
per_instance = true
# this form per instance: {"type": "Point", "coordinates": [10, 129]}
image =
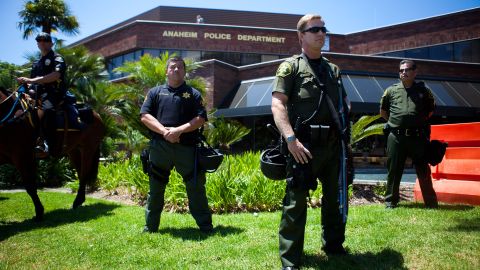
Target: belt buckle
{"type": "Point", "coordinates": [408, 132]}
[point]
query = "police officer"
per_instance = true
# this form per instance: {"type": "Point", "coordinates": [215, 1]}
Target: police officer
{"type": "Point", "coordinates": [48, 79]}
{"type": "Point", "coordinates": [407, 106]}
{"type": "Point", "coordinates": [315, 150]}
{"type": "Point", "coordinates": [174, 113]}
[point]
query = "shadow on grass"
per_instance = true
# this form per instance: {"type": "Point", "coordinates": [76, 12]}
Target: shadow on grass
{"type": "Point", "coordinates": [386, 259]}
{"type": "Point", "coordinates": [3, 198]}
{"type": "Point", "coordinates": [196, 234]}
{"type": "Point", "coordinates": [452, 207]}
{"type": "Point", "coordinates": [56, 218]}
{"type": "Point", "coordinates": [466, 225]}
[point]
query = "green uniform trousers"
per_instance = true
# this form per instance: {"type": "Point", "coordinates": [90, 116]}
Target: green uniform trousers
{"type": "Point", "coordinates": [399, 147]}
{"type": "Point", "coordinates": [325, 166]}
{"type": "Point", "coordinates": [164, 156]}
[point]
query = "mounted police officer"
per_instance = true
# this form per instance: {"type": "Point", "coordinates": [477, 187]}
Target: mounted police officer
{"type": "Point", "coordinates": [407, 106]}
{"type": "Point", "coordinates": [47, 78]}
{"type": "Point", "coordinates": [174, 113]}
{"type": "Point", "coordinates": [309, 106]}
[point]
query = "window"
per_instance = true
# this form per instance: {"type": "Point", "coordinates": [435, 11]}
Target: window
{"type": "Point", "coordinates": [441, 94]}
{"type": "Point", "coordinates": [385, 82]}
{"type": "Point", "coordinates": [467, 51]}
{"type": "Point", "coordinates": [268, 57]}
{"type": "Point", "coordinates": [254, 93]}
{"type": "Point", "coordinates": [238, 100]}
{"type": "Point", "coordinates": [250, 58]}
{"type": "Point", "coordinates": [138, 54]}
{"type": "Point", "coordinates": [152, 52]}
{"type": "Point", "coordinates": [470, 92]}
{"type": "Point", "coordinates": [367, 88]}
{"type": "Point", "coordinates": [352, 93]}
{"type": "Point", "coordinates": [442, 52]}
{"type": "Point", "coordinates": [420, 53]}
{"type": "Point", "coordinates": [129, 57]}
{"type": "Point", "coordinates": [194, 55]}
{"type": "Point", "coordinates": [400, 54]}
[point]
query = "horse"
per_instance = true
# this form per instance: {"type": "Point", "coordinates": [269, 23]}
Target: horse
{"type": "Point", "coordinates": [18, 141]}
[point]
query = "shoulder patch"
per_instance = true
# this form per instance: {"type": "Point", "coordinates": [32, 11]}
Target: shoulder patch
{"type": "Point", "coordinates": [59, 59]}
{"type": "Point", "coordinates": [284, 69]}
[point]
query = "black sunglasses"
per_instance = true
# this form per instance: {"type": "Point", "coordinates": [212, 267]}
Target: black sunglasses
{"type": "Point", "coordinates": [406, 70]}
{"type": "Point", "coordinates": [316, 29]}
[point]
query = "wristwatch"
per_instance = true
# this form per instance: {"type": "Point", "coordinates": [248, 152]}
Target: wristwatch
{"type": "Point", "coordinates": [291, 138]}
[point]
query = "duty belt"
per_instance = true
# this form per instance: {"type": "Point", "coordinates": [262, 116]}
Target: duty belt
{"type": "Point", "coordinates": [409, 132]}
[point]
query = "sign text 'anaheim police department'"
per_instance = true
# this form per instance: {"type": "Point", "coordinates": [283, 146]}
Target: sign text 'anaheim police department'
{"type": "Point", "coordinates": [223, 36]}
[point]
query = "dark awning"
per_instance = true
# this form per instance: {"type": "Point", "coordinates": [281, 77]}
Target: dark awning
{"type": "Point", "coordinates": [453, 98]}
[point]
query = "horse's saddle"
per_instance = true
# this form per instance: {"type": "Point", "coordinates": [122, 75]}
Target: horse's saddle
{"type": "Point", "coordinates": [73, 117]}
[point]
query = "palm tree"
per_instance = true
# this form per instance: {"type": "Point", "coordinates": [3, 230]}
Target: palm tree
{"type": "Point", "coordinates": [223, 133]}
{"type": "Point", "coordinates": [362, 128]}
{"type": "Point", "coordinates": [49, 15]}
{"type": "Point", "coordinates": [83, 69]}
{"type": "Point", "coordinates": [151, 71]}
{"type": "Point", "coordinates": [146, 73]}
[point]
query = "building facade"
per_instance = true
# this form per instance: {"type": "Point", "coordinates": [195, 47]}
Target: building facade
{"type": "Point", "coordinates": [240, 52]}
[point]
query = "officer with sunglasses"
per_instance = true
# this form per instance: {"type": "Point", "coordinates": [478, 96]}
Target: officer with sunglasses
{"type": "Point", "coordinates": [407, 106]}
{"type": "Point", "coordinates": [315, 153]}
{"type": "Point", "coordinates": [47, 79]}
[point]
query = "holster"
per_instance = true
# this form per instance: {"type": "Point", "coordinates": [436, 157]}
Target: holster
{"type": "Point", "coordinates": [301, 176]}
{"type": "Point", "coordinates": [386, 130]}
{"type": "Point", "coordinates": [145, 158]}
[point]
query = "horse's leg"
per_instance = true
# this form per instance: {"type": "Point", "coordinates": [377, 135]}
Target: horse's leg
{"type": "Point", "coordinates": [76, 159]}
{"type": "Point", "coordinates": [28, 172]}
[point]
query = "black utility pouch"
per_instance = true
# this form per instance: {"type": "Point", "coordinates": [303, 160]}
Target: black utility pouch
{"type": "Point", "coordinates": [386, 130]}
{"type": "Point", "coordinates": [145, 158]}
{"type": "Point", "coordinates": [319, 135]}
{"type": "Point", "coordinates": [301, 176]}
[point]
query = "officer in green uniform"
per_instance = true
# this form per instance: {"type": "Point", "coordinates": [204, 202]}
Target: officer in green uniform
{"type": "Point", "coordinates": [407, 106]}
{"type": "Point", "coordinates": [174, 113]}
{"type": "Point", "coordinates": [314, 145]}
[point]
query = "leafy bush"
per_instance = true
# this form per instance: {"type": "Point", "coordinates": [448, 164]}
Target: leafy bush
{"type": "Point", "coordinates": [53, 172]}
{"type": "Point", "coordinates": [125, 173]}
{"type": "Point", "coordinates": [9, 176]}
{"type": "Point", "coordinates": [237, 185]}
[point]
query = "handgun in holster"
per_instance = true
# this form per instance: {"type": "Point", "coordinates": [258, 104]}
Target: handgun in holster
{"type": "Point", "coordinates": [302, 176]}
{"type": "Point", "coordinates": [145, 158]}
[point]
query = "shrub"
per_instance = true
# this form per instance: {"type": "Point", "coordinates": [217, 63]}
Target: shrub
{"type": "Point", "coordinates": [9, 176]}
{"type": "Point", "coordinates": [54, 172]}
{"type": "Point", "coordinates": [237, 185]}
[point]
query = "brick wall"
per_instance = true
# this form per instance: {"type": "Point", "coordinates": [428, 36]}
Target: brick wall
{"type": "Point", "coordinates": [223, 78]}
{"type": "Point", "coordinates": [220, 78]}
{"type": "Point", "coordinates": [150, 35]}
{"type": "Point", "coordinates": [442, 29]}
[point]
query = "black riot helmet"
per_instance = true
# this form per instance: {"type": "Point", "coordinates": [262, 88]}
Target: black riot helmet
{"type": "Point", "coordinates": [43, 37]}
{"type": "Point", "coordinates": [273, 164]}
{"type": "Point", "coordinates": [208, 158]}
{"type": "Point", "coordinates": [435, 151]}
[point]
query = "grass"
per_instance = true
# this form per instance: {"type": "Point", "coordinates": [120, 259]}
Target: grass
{"type": "Point", "coordinates": [105, 235]}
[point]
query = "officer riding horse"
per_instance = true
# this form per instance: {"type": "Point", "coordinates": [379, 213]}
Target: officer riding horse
{"type": "Point", "coordinates": [18, 140]}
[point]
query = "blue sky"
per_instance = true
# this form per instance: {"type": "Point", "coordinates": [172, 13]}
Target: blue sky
{"type": "Point", "coordinates": [341, 16]}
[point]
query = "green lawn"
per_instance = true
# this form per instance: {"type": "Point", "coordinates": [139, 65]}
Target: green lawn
{"type": "Point", "coordinates": [105, 235]}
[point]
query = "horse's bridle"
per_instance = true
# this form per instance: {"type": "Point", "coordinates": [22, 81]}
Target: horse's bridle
{"type": "Point", "coordinates": [9, 96]}
{"type": "Point", "coordinates": [20, 90]}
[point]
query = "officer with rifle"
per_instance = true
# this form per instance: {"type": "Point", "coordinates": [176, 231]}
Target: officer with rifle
{"type": "Point", "coordinates": [310, 109]}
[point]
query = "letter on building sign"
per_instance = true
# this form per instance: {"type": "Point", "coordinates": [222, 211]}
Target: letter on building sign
{"type": "Point", "coordinates": [217, 36]}
{"type": "Point", "coordinates": [179, 34]}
